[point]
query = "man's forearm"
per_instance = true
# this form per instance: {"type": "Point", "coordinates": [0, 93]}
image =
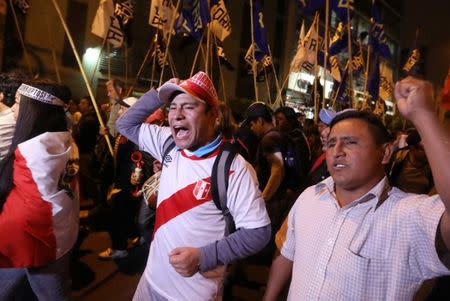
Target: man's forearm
{"type": "Point", "coordinates": [279, 276]}
{"type": "Point", "coordinates": [130, 123]}
{"type": "Point", "coordinates": [240, 244]}
{"type": "Point", "coordinates": [436, 141]}
{"type": "Point", "coordinates": [275, 179]}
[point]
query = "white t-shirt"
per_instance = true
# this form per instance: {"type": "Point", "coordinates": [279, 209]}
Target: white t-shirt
{"type": "Point", "coordinates": [7, 126]}
{"type": "Point", "coordinates": [186, 216]}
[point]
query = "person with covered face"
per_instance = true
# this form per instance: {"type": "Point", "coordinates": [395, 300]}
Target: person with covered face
{"type": "Point", "coordinates": [190, 248]}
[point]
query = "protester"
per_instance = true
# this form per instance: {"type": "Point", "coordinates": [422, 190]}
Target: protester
{"type": "Point", "coordinates": [189, 252]}
{"type": "Point", "coordinates": [352, 236]}
{"type": "Point", "coordinates": [39, 208]}
{"type": "Point", "coordinates": [85, 134]}
{"type": "Point", "coordinates": [115, 89]}
{"type": "Point", "coordinates": [131, 166]}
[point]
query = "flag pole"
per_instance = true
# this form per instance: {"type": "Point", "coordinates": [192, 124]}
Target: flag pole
{"type": "Point", "coordinates": [22, 42]}
{"type": "Point", "coordinates": [98, 60]}
{"type": "Point", "coordinates": [350, 59]}
{"type": "Point", "coordinates": [108, 47]}
{"type": "Point", "coordinates": [196, 54]}
{"type": "Point", "coordinates": [55, 62]}
{"type": "Point", "coordinates": [253, 49]}
{"type": "Point", "coordinates": [83, 73]}
{"type": "Point", "coordinates": [172, 23]}
{"type": "Point", "coordinates": [130, 89]}
{"type": "Point", "coordinates": [208, 42]}
{"type": "Point", "coordinates": [325, 54]}
{"type": "Point", "coordinates": [155, 46]}
{"type": "Point", "coordinates": [220, 72]}
{"type": "Point", "coordinates": [277, 84]}
{"type": "Point", "coordinates": [316, 100]}
{"type": "Point", "coordinates": [267, 85]}
{"type": "Point", "coordinates": [126, 64]}
{"type": "Point", "coordinates": [173, 68]}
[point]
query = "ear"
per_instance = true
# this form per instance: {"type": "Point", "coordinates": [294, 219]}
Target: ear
{"type": "Point", "coordinates": [388, 150]}
{"type": "Point", "coordinates": [2, 96]}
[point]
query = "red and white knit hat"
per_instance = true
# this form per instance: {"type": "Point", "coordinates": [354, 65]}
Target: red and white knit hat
{"type": "Point", "coordinates": [198, 86]}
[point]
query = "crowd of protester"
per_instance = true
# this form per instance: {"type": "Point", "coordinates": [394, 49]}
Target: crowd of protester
{"type": "Point", "coordinates": [284, 205]}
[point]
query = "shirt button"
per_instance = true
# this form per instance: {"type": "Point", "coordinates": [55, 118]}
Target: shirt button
{"type": "Point", "coordinates": [330, 241]}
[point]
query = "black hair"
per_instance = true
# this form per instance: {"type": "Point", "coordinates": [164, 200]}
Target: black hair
{"type": "Point", "coordinates": [174, 94]}
{"type": "Point", "coordinates": [35, 118]}
{"type": "Point", "coordinates": [9, 83]}
{"type": "Point", "coordinates": [290, 115]}
{"type": "Point", "coordinates": [376, 126]}
{"type": "Point", "coordinates": [258, 110]}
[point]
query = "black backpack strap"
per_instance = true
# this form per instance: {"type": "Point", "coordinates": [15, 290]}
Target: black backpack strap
{"type": "Point", "coordinates": [219, 183]}
{"type": "Point", "coordinates": [169, 144]}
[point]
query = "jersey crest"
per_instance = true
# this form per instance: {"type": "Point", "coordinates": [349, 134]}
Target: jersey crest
{"type": "Point", "coordinates": [201, 190]}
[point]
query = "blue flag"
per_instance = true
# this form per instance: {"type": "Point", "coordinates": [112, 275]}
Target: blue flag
{"type": "Point", "coordinates": [357, 63]}
{"type": "Point", "coordinates": [339, 89]}
{"type": "Point", "coordinates": [259, 32]}
{"type": "Point", "coordinates": [339, 42]}
{"type": "Point", "coordinates": [377, 38]}
{"type": "Point", "coordinates": [308, 7]}
{"type": "Point", "coordinates": [194, 18]}
{"type": "Point", "coordinates": [373, 78]}
{"type": "Point", "coordinates": [340, 8]}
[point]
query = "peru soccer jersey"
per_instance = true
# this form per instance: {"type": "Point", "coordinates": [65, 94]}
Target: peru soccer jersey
{"type": "Point", "coordinates": [39, 220]}
{"type": "Point", "coordinates": [186, 215]}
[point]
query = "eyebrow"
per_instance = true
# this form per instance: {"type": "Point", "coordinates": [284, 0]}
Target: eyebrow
{"type": "Point", "coordinates": [345, 138]}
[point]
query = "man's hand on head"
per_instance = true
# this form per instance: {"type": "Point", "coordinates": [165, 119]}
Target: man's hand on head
{"type": "Point", "coordinates": [185, 260]}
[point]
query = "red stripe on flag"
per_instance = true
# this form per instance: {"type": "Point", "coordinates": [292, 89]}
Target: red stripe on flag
{"type": "Point", "coordinates": [26, 228]}
{"type": "Point", "coordinates": [178, 203]}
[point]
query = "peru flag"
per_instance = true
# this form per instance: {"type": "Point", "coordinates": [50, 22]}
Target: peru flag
{"type": "Point", "coordinates": [39, 220]}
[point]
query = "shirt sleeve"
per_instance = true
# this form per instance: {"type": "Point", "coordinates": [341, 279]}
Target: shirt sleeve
{"type": "Point", "coordinates": [244, 199]}
{"type": "Point", "coordinates": [288, 249]}
{"type": "Point", "coordinates": [271, 143]}
{"type": "Point", "coordinates": [423, 227]}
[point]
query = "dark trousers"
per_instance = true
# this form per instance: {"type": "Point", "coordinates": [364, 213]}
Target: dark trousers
{"type": "Point", "coordinates": [122, 226]}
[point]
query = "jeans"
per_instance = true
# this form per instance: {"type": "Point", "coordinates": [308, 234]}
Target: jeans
{"type": "Point", "coordinates": [50, 282]}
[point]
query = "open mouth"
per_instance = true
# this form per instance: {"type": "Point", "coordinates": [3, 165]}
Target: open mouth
{"type": "Point", "coordinates": [180, 132]}
{"type": "Point", "coordinates": [339, 166]}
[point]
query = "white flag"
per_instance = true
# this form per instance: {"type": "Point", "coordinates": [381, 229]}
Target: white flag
{"type": "Point", "coordinates": [295, 64]}
{"type": "Point", "coordinates": [161, 12]}
{"type": "Point", "coordinates": [106, 24]}
{"type": "Point", "coordinates": [306, 55]}
{"type": "Point", "coordinates": [220, 24]}
{"type": "Point", "coordinates": [386, 81]}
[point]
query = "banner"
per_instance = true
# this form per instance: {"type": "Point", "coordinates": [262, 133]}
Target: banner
{"type": "Point", "coordinates": [194, 18]}
{"type": "Point", "coordinates": [307, 55]}
{"type": "Point", "coordinates": [259, 32]}
{"type": "Point", "coordinates": [220, 24]}
{"type": "Point", "coordinates": [386, 82]}
{"type": "Point", "coordinates": [377, 38]}
{"type": "Point", "coordinates": [106, 24]}
{"type": "Point", "coordinates": [299, 55]}
{"type": "Point", "coordinates": [161, 12]}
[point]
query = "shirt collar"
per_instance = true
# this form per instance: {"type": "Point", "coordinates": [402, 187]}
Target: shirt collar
{"type": "Point", "coordinates": [206, 149]}
{"type": "Point", "coordinates": [380, 192]}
